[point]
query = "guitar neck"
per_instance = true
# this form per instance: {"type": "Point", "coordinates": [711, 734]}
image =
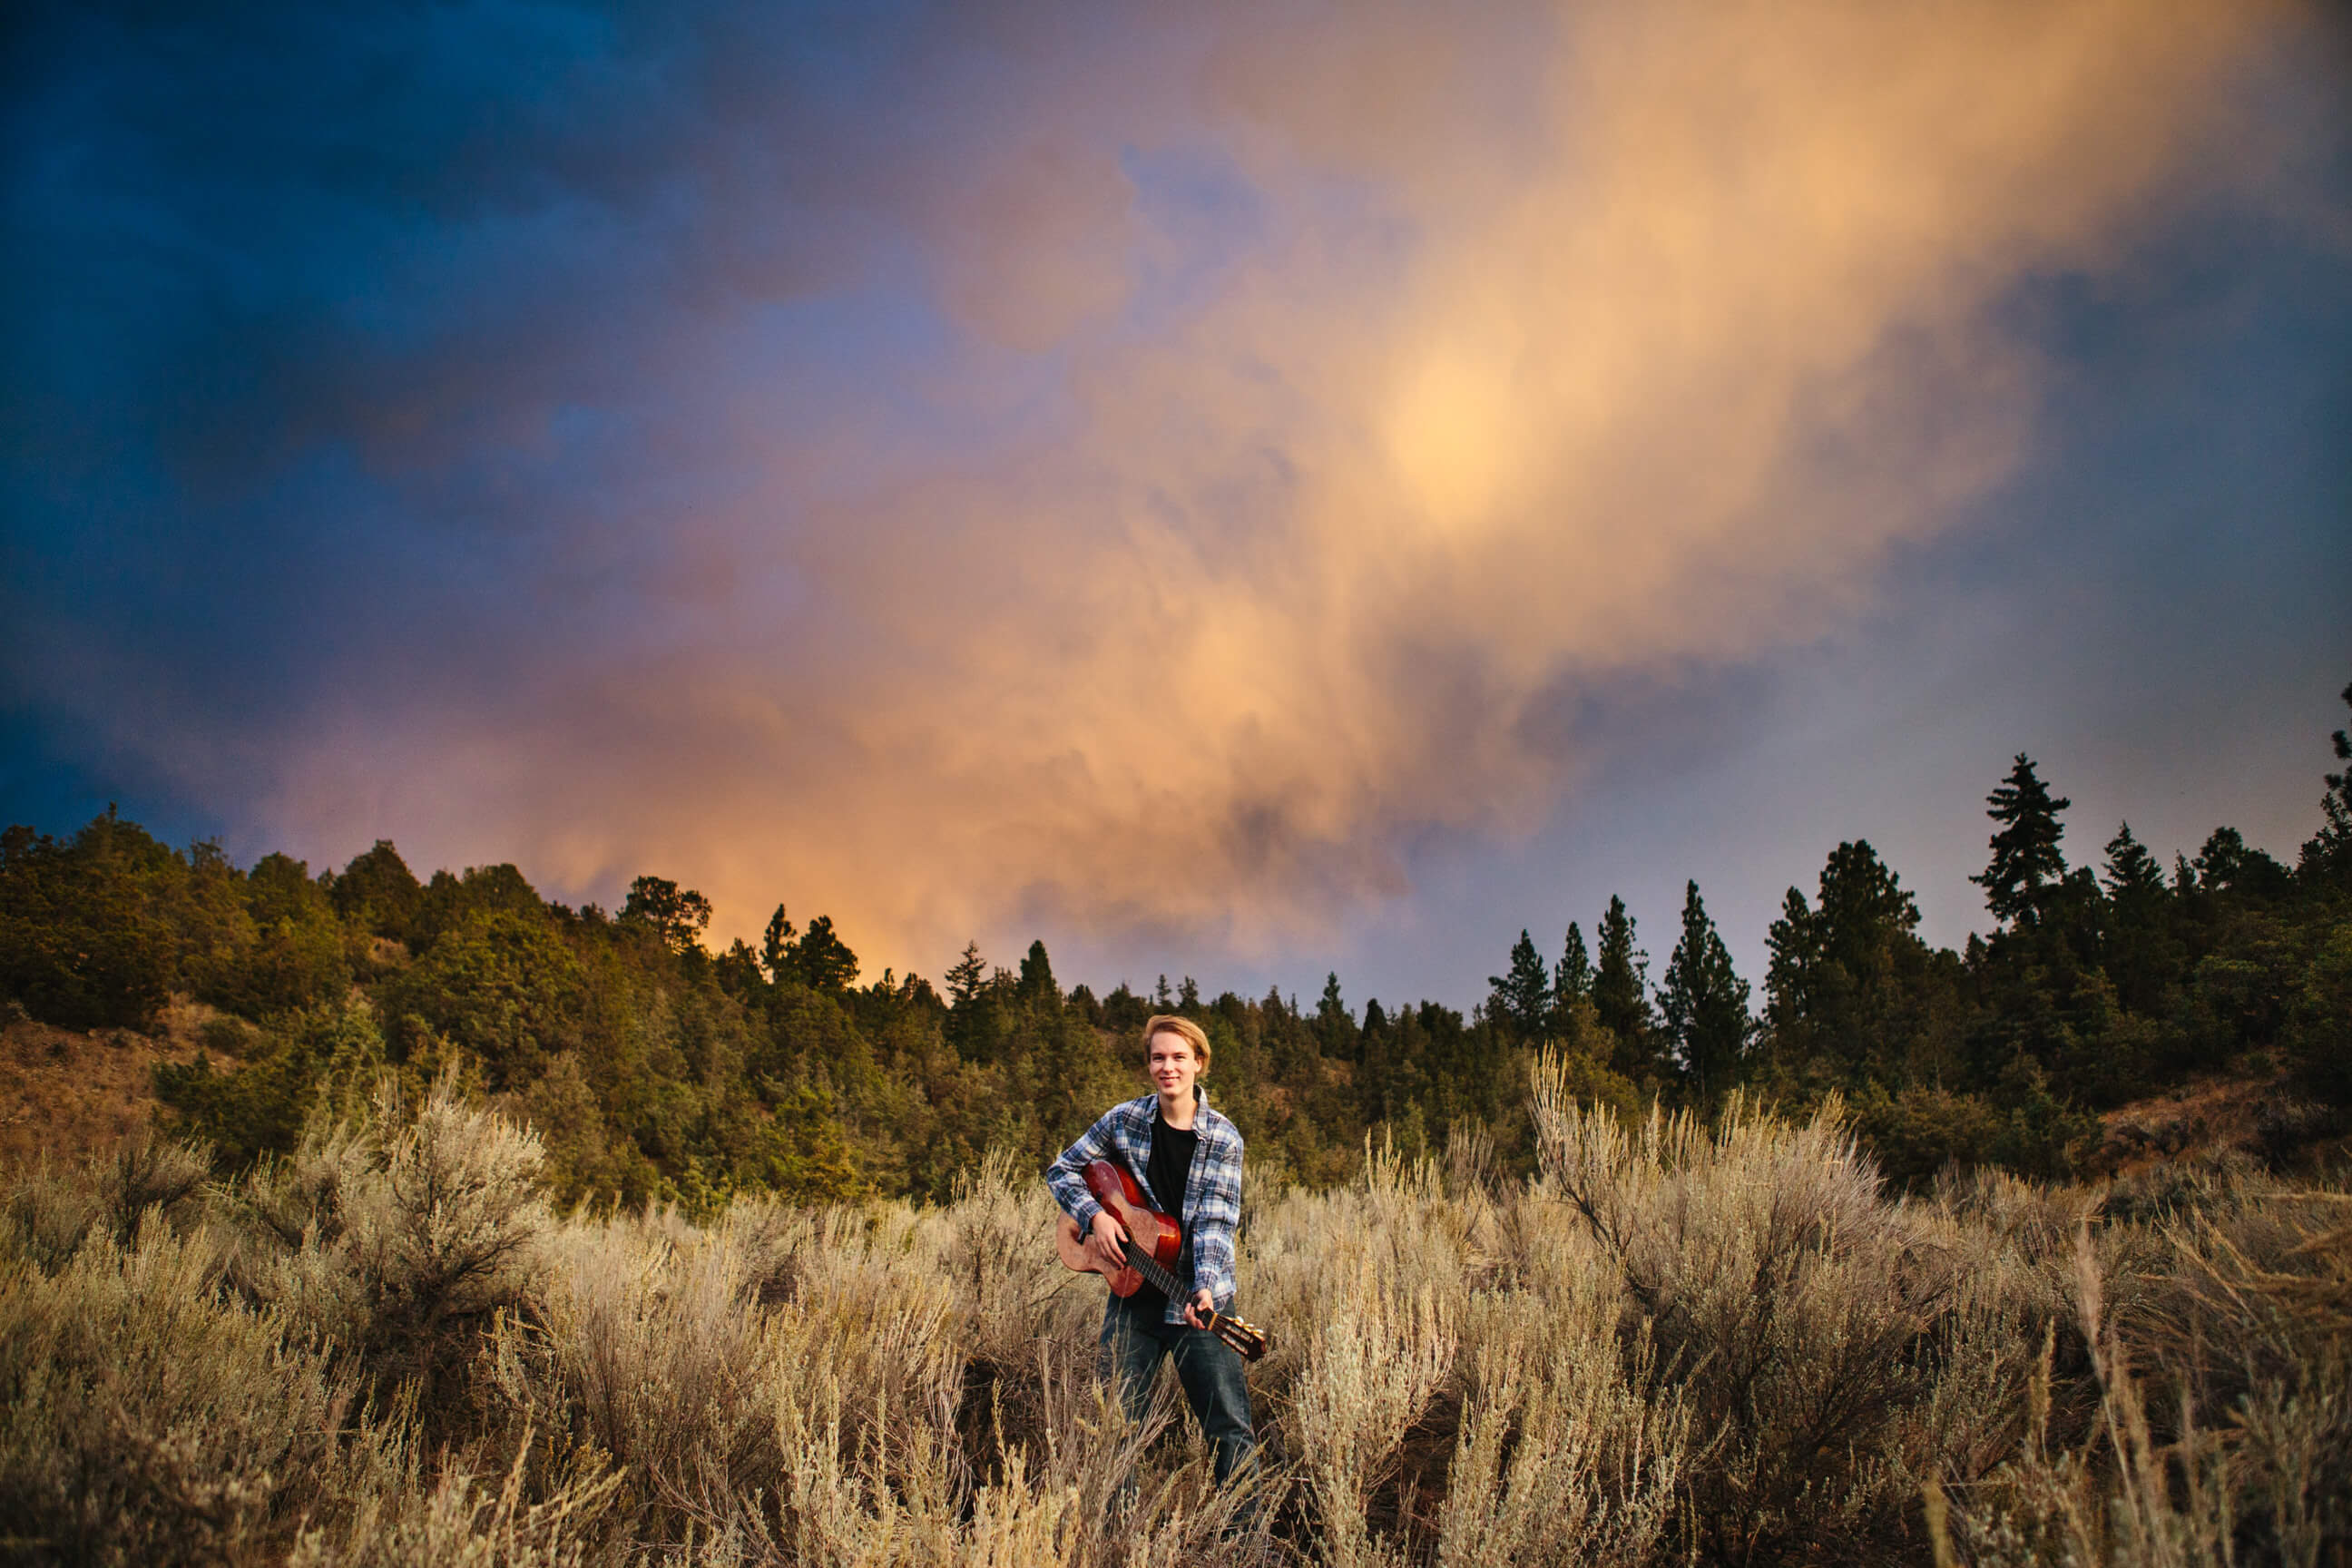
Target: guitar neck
{"type": "Point", "coordinates": [1159, 1278]}
{"type": "Point", "coordinates": [1242, 1336]}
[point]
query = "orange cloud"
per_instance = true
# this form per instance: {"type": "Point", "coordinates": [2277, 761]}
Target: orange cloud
{"type": "Point", "coordinates": [1605, 338]}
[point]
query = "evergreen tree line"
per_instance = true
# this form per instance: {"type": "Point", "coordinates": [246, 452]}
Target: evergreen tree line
{"type": "Point", "coordinates": [659, 1069]}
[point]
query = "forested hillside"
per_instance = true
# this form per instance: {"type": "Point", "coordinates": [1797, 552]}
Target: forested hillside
{"type": "Point", "coordinates": [657, 1069]}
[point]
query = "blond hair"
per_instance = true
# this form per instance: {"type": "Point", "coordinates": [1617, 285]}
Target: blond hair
{"type": "Point", "coordinates": [1192, 1034]}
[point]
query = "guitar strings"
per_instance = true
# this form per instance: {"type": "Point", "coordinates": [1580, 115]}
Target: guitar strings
{"type": "Point", "coordinates": [1148, 1267]}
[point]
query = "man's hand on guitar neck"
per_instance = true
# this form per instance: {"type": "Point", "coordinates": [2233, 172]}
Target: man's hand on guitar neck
{"type": "Point", "coordinates": [1109, 1242]}
{"type": "Point", "coordinates": [1198, 1311]}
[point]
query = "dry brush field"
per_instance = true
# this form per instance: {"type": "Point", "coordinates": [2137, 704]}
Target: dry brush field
{"type": "Point", "coordinates": [1682, 1343]}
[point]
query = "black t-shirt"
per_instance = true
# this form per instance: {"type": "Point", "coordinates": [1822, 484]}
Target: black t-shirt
{"type": "Point", "coordinates": [1165, 1176]}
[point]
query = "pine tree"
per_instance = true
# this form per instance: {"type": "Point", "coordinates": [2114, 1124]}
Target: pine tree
{"type": "Point", "coordinates": [1572, 981]}
{"type": "Point", "coordinates": [2329, 852]}
{"type": "Point", "coordinates": [1522, 997]}
{"type": "Point", "coordinates": [1620, 981]}
{"type": "Point", "coordinates": [2139, 955]}
{"type": "Point", "coordinates": [823, 959]}
{"type": "Point", "coordinates": [1863, 903]}
{"type": "Point", "coordinates": [965, 979]}
{"type": "Point", "coordinates": [1848, 988]}
{"type": "Point", "coordinates": [2026, 865]}
{"type": "Point", "coordinates": [379, 893]}
{"type": "Point", "coordinates": [1037, 976]}
{"type": "Point", "coordinates": [1704, 1003]}
{"type": "Point", "coordinates": [1334, 1023]}
{"type": "Point", "coordinates": [2133, 876]}
{"type": "Point", "coordinates": [677, 915]}
{"type": "Point", "coordinates": [776, 945]}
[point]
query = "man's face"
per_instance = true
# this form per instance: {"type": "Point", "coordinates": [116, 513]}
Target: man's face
{"type": "Point", "coordinates": [1171, 1064]}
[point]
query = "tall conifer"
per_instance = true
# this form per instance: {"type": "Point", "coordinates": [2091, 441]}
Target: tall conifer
{"type": "Point", "coordinates": [1704, 1003]}
{"type": "Point", "coordinates": [1621, 983]}
{"type": "Point", "coordinates": [1572, 981]}
{"type": "Point", "coordinates": [2026, 866]}
{"type": "Point", "coordinates": [1522, 996]}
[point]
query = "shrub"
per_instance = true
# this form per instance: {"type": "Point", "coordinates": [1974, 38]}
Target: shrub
{"type": "Point", "coordinates": [1682, 1343]}
{"type": "Point", "coordinates": [398, 1239]}
{"type": "Point", "coordinates": [391, 1512]}
{"type": "Point", "coordinates": [323, 1058]}
{"type": "Point", "coordinates": [145, 1416]}
{"type": "Point", "coordinates": [84, 939]}
{"type": "Point", "coordinates": [1569, 1451]}
{"type": "Point", "coordinates": [1804, 1319]}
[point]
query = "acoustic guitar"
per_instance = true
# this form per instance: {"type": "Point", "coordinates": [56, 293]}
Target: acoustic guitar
{"type": "Point", "coordinates": [1153, 1242]}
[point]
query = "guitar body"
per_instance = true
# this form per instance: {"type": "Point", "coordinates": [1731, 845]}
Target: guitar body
{"type": "Point", "coordinates": [1118, 1191]}
{"type": "Point", "coordinates": [1153, 1241]}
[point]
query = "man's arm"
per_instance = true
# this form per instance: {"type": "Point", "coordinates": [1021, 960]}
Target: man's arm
{"type": "Point", "coordinates": [1065, 1178]}
{"type": "Point", "coordinates": [1214, 1217]}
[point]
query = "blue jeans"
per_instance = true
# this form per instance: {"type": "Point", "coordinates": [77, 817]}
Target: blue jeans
{"type": "Point", "coordinates": [1209, 1369]}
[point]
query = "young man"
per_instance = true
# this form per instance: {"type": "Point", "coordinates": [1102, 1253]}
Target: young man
{"type": "Point", "coordinates": [1188, 1159]}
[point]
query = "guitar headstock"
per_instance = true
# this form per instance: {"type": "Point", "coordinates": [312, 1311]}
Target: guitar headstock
{"type": "Point", "coordinates": [1244, 1336]}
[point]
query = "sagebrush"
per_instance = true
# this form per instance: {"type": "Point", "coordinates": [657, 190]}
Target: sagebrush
{"type": "Point", "coordinates": [1682, 1341]}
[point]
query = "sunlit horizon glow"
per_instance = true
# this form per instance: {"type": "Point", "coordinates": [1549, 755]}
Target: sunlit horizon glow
{"type": "Point", "coordinates": [1036, 471]}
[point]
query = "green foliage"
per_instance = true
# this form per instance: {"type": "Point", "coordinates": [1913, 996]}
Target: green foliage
{"type": "Point", "coordinates": [2142, 951]}
{"type": "Point", "coordinates": [378, 894]}
{"type": "Point", "coordinates": [1853, 996]}
{"type": "Point", "coordinates": [88, 936]}
{"type": "Point", "coordinates": [2319, 1035]}
{"type": "Point", "coordinates": [303, 1064]}
{"type": "Point", "coordinates": [1921, 1131]}
{"type": "Point", "coordinates": [817, 958]}
{"type": "Point", "coordinates": [504, 986]}
{"type": "Point", "coordinates": [449, 901]}
{"type": "Point", "coordinates": [299, 953]}
{"type": "Point", "coordinates": [1035, 985]}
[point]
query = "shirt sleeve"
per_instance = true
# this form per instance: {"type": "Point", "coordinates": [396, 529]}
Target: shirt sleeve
{"type": "Point", "coordinates": [1219, 1212]}
{"type": "Point", "coordinates": [1065, 1178]}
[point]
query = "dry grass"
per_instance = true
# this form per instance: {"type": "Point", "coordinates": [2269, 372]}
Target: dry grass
{"type": "Point", "coordinates": [67, 1093]}
{"type": "Point", "coordinates": [1685, 1342]}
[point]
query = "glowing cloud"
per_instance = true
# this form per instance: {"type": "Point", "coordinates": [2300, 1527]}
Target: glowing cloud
{"type": "Point", "coordinates": [1296, 404]}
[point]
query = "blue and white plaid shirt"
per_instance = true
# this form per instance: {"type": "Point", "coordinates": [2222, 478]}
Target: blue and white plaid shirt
{"type": "Point", "coordinates": [1212, 1192]}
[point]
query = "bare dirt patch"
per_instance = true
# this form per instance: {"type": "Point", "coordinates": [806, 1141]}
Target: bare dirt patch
{"type": "Point", "coordinates": [2204, 1116]}
{"type": "Point", "coordinates": [65, 1093]}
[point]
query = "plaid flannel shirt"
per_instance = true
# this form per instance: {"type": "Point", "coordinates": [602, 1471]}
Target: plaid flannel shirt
{"type": "Point", "coordinates": [1212, 1192]}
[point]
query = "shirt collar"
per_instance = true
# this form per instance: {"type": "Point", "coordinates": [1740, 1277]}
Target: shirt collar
{"type": "Point", "coordinates": [1149, 1107]}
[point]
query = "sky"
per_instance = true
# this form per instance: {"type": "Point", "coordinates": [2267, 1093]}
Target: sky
{"type": "Point", "coordinates": [1243, 490]}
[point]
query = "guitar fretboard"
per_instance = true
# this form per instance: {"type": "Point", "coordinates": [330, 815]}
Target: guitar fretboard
{"type": "Point", "coordinates": [1143, 1263]}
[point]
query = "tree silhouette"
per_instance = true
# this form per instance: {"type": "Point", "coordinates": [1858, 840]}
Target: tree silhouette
{"type": "Point", "coordinates": [677, 915]}
{"type": "Point", "coordinates": [2026, 863]}
{"type": "Point", "coordinates": [1522, 997]}
{"type": "Point", "coordinates": [2329, 852]}
{"type": "Point", "coordinates": [776, 944]}
{"type": "Point", "coordinates": [1621, 983]}
{"type": "Point", "coordinates": [1572, 981]}
{"type": "Point", "coordinates": [1704, 1004]}
{"type": "Point", "coordinates": [822, 959]}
